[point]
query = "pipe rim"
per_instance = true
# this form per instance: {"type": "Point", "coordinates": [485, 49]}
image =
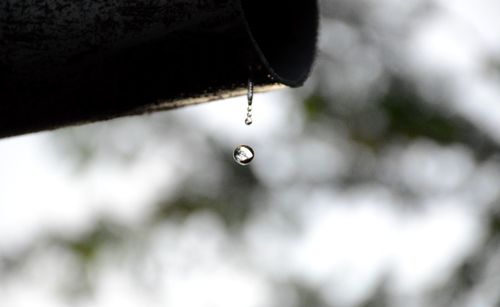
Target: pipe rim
{"type": "Point", "coordinates": [284, 35]}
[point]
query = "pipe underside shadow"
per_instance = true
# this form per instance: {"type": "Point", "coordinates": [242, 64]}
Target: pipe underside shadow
{"type": "Point", "coordinates": [65, 62]}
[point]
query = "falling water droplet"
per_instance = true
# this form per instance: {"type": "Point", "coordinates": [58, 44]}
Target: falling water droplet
{"type": "Point", "coordinates": [243, 154]}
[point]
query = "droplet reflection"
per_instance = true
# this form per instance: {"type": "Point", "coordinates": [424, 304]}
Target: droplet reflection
{"type": "Point", "coordinates": [243, 154]}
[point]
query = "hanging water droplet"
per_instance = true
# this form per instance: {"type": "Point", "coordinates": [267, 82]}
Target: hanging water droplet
{"type": "Point", "coordinates": [250, 91]}
{"type": "Point", "coordinates": [243, 154]}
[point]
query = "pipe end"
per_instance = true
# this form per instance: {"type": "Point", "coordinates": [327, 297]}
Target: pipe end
{"type": "Point", "coordinates": [284, 34]}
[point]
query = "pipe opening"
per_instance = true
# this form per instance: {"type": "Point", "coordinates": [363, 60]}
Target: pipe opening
{"type": "Point", "coordinates": [284, 33]}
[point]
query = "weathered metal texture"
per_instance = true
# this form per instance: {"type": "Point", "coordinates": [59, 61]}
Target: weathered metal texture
{"type": "Point", "coordinates": [64, 62]}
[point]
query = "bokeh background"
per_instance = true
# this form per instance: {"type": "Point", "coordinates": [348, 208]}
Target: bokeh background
{"type": "Point", "coordinates": [377, 184]}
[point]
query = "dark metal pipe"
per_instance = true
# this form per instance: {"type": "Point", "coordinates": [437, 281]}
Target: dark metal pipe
{"type": "Point", "coordinates": [65, 62]}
